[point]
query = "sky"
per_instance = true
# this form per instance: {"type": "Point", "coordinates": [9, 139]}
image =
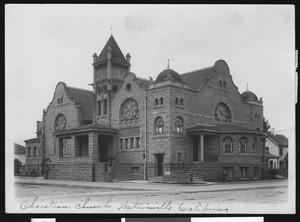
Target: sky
{"type": "Point", "coordinates": [46, 44]}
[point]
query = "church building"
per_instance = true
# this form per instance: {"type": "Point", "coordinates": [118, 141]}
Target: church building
{"type": "Point", "coordinates": [177, 127]}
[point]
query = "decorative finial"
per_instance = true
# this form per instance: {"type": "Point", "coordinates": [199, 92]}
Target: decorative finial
{"type": "Point", "coordinates": [247, 87]}
{"type": "Point", "coordinates": [168, 65]}
{"type": "Point", "coordinates": [111, 31]}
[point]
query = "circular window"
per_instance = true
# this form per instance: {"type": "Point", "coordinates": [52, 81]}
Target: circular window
{"type": "Point", "coordinates": [128, 87]}
{"type": "Point", "coordinates": [60, 122]}
{"type": "Point", "coordinates": [114, 88]}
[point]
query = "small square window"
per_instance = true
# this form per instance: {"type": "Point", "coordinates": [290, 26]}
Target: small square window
{"type": "Point", "coordinates": [228, 172]}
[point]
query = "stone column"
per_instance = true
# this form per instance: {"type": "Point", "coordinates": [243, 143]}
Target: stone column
{"type": "Point", "coordinates": [201, 148]}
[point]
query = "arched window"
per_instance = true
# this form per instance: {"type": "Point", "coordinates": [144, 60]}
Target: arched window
{"type": "Point", "coordinates": [159, 126]}
{"type": "Point", "coordinates": [128, 87]}
{"type": "Point", "coordinates": [258, 116]}
{"type": "Point", "coordinates": [161, 101]}
{"type": "Point", "coordinates": [115, 88]}
{"type": "Point", "coordinates": [177, 101]}
{"type": "Point", "coordinates": [156, 102]}
{"type": "Point", "coordinates": [254, 144]}
{"type": "Point", "coordinates": [104, 88]}
{"type": "Point", "coordinates": [243, 145]}
{"type": "Point", "coordinates": [220, 83]}
{"type": "Point", "coordinates": [178, 125]}
{"type": "Point", "coordinates": [60, 122]}
{"type": "Point", "coordinates": [255, 115]}
{"type": "Point", "coordinates": [28, 152]}
{"type": "Point", "coordinates": [181, 101]}
{"type": "Point", "coordinates": [130, 113]}
{"type": "Point", "coordinates": [224, 84]}
{"type": "Point", "coordinates": [227, 145]}
{"type": "Point", "coordinates": [222, 113]}
{"type": "Point", "coordinates": [34, 151]}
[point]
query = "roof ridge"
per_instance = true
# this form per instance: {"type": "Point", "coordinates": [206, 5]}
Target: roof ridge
{"type": "Point", "coordinates": [143, 79]}
{"type": "Point", "coordinates": [196, 70]}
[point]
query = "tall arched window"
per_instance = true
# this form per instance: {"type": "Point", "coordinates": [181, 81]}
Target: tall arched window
{"type": "Point", "coordinates": [224, 84]}
{"type": "Point", "coordinates": [130, 113]}
{"type": "Point", "coordinates": [34, 151]}
{"type": "Point", "coordinates": [227, 145]}
{"type": "Point", "coordinates": [156, 102]}
{"type": "Point", "coordinates": [181, 101]}
{"type": "Point", "coordinates": [179, 125]}
{"type": "Point", "coordinates": [222, 113]}
{"type": "Point", "coordinates": [159, 126]}
{"type": "Point", "coordinates": [254, 144]}
{"type": "Point", "coordinates": [161, 101]}
{"type": "Point", "coordinates": [177, 101]}
{"type": "Point", "coordinates": [243, 145]}
{"type": "Point", "coordinates": [28, 152]}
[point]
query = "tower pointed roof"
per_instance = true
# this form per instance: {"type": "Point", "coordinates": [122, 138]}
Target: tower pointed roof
{"type": "Point", "coordinates": [116, 53]}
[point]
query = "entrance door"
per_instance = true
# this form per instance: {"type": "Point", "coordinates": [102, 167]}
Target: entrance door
{"type": "Point", "coordinates": [159, 165]}
{"type": "Point", "coordinates": [103, 147]}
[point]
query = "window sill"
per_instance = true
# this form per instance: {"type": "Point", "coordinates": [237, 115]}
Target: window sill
{"type": "Point", "coordinates": [102, 116]}
{"type": "Point", "coordinates": [82, 157]}
{"type": "Point", "coordinates": [158, 136]}
{"type": "Point", "coordinates": [158, 106]}
{"type": "Point", "coordinates": [178, 106]}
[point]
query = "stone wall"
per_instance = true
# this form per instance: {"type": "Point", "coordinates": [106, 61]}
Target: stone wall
{"type": "Point", "coordinates": [71, 171]}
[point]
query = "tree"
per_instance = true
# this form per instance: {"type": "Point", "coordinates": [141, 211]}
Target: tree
{"type": "Point", "coordinates": [266, 126]}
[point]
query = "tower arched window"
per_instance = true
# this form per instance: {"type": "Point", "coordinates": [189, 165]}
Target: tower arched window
{"type": "Point", "coordinates": [227, 145]}
{"type": "Point", "coordinates": [254, 144]}
{"type": "Point", "coordinates": [156, 102]}
{"type": "Point", "coordinates": [243, 145]}
{"type": "Point", "coordinates": [181, 102]}
{"type": "Point", "coordinates": [34, 151]}
{"type": "Point", "coordinates": [161, 101]}
{"type": "Point", "coordinates": [222, 113]}
{"type": "Point", "coordinates": [179, 125]}
{"type": "Point", "coordinates": [29, 152]}
{"type": "Point", "coordinates": [224, 84]}
{"type": "Point", "coordinates": [159, 126]}
{"type": "Point", "coordinates": [130, 113]}
{"type": "Point", "coordinates": [176, 101]}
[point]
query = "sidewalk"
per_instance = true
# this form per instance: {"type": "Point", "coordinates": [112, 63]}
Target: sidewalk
{"type": "Point", "coordinates": [140, 185]}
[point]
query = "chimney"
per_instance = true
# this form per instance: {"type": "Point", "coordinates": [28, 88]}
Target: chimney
{"type": "Point", "coordinates": [273, 131]}
{"type": "Point", "coordinates": [128, 60]}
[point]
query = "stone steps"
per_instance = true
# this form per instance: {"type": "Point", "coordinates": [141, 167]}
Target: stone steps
{"type": "Point", "coordinates": [121, 174]}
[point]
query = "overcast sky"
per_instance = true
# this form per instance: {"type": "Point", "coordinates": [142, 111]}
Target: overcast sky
{"type": "Point", "coordinates": [46, 44]}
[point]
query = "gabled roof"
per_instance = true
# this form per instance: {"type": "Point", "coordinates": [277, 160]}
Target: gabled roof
{"type": "Point", "coordinates": [18, 149]}
{"type": "Point", "coordinates": [89, 127]}
{"type": "Point", "coordinates": [271, 156]}
{"type": "Point", "coordinates": [196, 78]}
{"type": "Point", "coordinates": [36, 139]}
{"type": "Point", "coordinates": [143, 82]}
{"type": "Point", "coordinates": [280, 140]}
{"type": "Point", "coordinates": [116, 53]}
{"type": "Point", "coordinates": [85, 97]}
{"type": "Point", "coordinates": [222, 128]}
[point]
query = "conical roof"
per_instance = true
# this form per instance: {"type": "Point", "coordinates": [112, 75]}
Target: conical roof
{"type": "Point", "coordinates": [116, 53]}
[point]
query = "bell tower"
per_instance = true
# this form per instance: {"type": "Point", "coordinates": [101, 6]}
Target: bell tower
{"type": "Point", "coordinates": [110, 68]}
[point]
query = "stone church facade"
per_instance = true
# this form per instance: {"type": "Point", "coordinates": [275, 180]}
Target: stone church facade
{"type": "Point", "coordinates": [178, 127]}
